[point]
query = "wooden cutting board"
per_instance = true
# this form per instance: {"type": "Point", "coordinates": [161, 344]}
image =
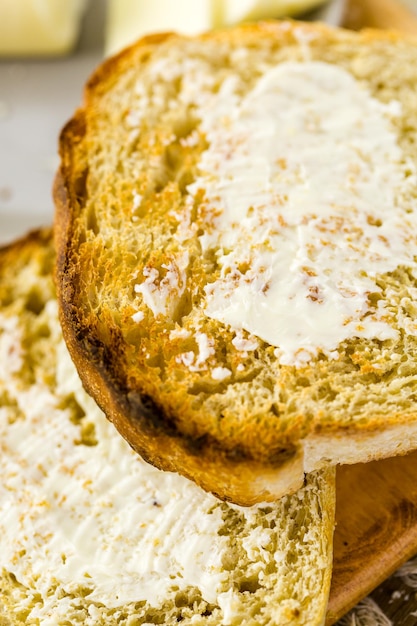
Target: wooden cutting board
{"type": "Point", "coordinates": [376, 503]}
{"type": "Point", "coordinates": [392, 14]}
{"type": "Point", "coordinates": [376, 528]}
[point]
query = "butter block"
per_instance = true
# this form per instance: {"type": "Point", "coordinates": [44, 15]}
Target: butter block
{"type": "Point", "coordinates": [235, 11]}
{"type": "Point", "coordinates": [127, 20]}
{"type": "Point", "coordinates": [39, 27]}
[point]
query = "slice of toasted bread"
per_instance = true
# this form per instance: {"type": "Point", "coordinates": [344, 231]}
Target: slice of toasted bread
{"type": "Point", "coordinates": [91, 534]}
{"type": "Point", "coordinates": [235, 229]}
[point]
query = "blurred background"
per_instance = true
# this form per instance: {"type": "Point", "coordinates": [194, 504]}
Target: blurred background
{"type": "Point", "coordinates": [39, 89]}
{"type": "Point", "coordinates": [48, 48]}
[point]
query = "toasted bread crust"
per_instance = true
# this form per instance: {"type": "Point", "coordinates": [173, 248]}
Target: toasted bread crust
{"type": "Point", "coordinates": [240, 456]}
{"type": "Point", "coordinates": [138, 419]}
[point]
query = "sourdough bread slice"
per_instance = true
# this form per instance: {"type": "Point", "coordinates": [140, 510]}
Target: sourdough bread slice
{"type": "Point", "coordinates": [90, 534]}
{"type": "Point", "coordinates": [236, 228]}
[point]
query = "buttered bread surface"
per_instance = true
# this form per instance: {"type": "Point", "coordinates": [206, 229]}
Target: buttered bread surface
{"type": "Point", "coordinates": [236, 229]}
{"type": "Point", "coordinates": [90, 534]}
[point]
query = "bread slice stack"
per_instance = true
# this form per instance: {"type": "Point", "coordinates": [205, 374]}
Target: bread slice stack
{"type": "Point", "coordinates": [90, 534]}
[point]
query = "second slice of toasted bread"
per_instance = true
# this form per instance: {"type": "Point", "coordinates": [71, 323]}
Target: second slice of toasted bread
{"type": "Point", "coordinates": [91, 534]}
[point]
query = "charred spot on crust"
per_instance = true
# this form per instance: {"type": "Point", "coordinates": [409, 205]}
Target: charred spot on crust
{"type": "Point", "coordinates": [142, 407]}
{"type": "Point", "coordinates": [281, 455]}
{"type": "Point", "coordinates": [80, 185]}
{"type": "Point", "coordinates": [96, 349]}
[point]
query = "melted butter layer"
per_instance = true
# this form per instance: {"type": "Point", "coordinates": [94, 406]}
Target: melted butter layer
{"type": "Point", "coordinates": [306, 188]}
{"type": "Point", "coordinates": [96, 516]}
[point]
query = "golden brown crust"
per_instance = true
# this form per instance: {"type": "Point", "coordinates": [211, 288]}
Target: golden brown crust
{"type": "Point", "coordinates": [241, 456]}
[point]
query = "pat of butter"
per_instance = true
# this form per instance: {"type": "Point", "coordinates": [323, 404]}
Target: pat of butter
{"type": "Point", "coordinates": [39, 27]}
{"type": "Point", "coordinates": [128, 20]}
{"type": "Point", "coordinates": [235, 11]}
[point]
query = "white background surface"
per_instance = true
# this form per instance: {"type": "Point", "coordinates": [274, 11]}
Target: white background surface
{"type": "Point", "coordinates": [37, 97]}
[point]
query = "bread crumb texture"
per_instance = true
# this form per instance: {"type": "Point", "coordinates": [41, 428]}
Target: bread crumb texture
{"type": "Point", "coordinates": [140, 262]}
{"type": "Point", "coordinates": [90, 534]}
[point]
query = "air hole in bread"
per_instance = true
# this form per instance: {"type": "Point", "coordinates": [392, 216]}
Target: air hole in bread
{"type": "Point", "coordinates": [87, 434]}
{"type": "Point", "coordinates": [184, 178]}
{"type": "Point", "coordinates": [171, 168]}
{"type": "Point", "coordinates": [185, 126]}
{"type": "Point", "coordinates": [204, 388]}
{"type": "Point", "coordinates": [46, 265]}
{"type": "Point", "coordinates": [183, 308]}
{"type": "Point", "coordinates": [325, 392]}
{"type": "Point", "coordinates": [91, 220]}
{"type": "Point", "coordinates": [154, 617]}
{"type": "Point", "coordinates": [189, 598]}
{"type": "Point", "coordinates": [275, 410]}
{"type": "Point", "coordinates": [76, 412]}
{"type": "Point", "coordinates": [43, 330]}
{"type": "Point", "coordinates": [250, 585]}
{"type": "Point", "coordinates": [35, 301]}
{"type": "Point", "coordinates": [156, 361]}
{"type": "Point", "coordinates": [80, 186]}
{"type": "Point", "coordinates": [10, 405]}
{"type": "Point", "coordinates": [249, 374]}
{"type": "Point", "coordinates": [229, 560]}
{"type": "Point", "coordinates": [303, 381]}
